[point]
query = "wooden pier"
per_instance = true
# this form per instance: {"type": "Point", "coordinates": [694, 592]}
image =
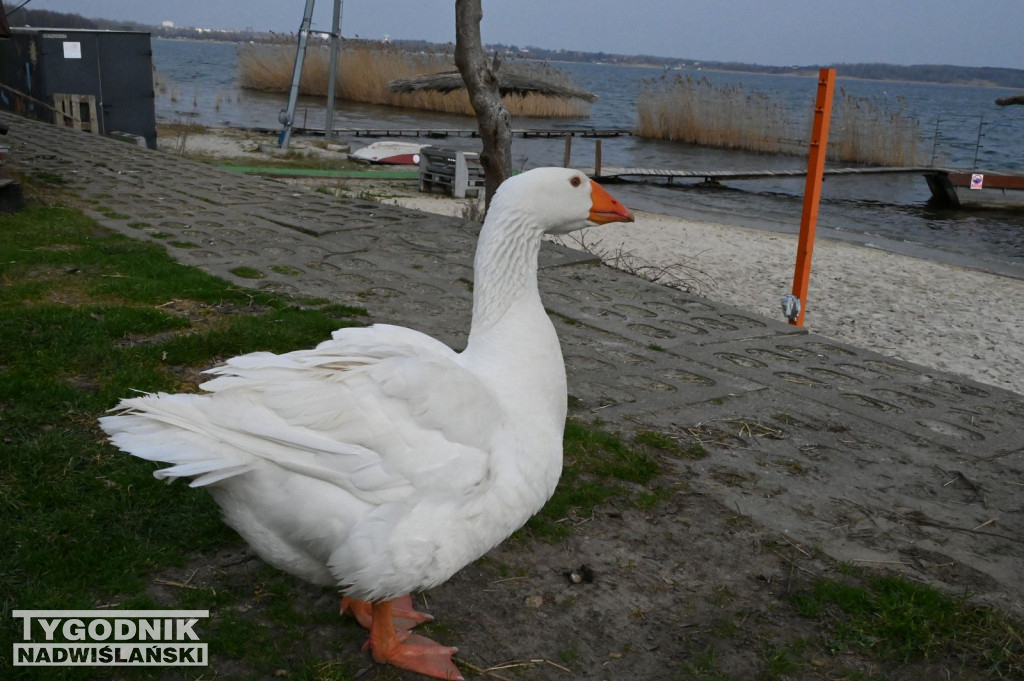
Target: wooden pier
{"type": "Point", "coordinates": [443, 133]}
{"type": "Point", "coordinates": [712, 176]}
{"type": "Point", "coordinates": [949, 188]}
{"type": "Point", "coordinates": [938, 178]}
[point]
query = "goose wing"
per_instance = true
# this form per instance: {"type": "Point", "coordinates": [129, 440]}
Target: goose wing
{"type": "Point", "coordinates": [382, 412]}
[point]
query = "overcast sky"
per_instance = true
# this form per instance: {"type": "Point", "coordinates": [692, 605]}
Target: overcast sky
{"type": "Point", "coordinates": [772, 32]}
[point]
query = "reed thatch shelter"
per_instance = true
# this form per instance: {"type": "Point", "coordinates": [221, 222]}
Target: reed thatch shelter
{"type": "Point", "coordinates": [1008, 101]}
{"type": "Point", "coordinates": [508, 83]}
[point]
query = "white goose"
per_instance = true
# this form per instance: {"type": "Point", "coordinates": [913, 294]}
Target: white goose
{"type": "Point", "coordinates": [383, 461]}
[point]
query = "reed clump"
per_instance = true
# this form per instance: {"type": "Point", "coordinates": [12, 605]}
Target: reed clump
{"type": "Point", "coordinates": [866, 131]}
{"type": "Point", "coordinates": [364, 70]}
{"type": "Point", "coordinates": [697, 111]}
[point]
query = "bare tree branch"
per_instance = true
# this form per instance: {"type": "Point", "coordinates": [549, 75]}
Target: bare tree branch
{"type": "Point", "coordinates": [492, 117]}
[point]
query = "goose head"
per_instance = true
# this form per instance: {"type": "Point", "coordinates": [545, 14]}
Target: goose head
{"type": "Point", "coordinates": [558, 200]}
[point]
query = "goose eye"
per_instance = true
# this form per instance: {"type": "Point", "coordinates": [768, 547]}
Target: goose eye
{"type": "Point", "coordinates": [576, 181]}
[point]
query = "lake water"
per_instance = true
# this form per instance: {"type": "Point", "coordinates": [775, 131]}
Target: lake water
{"type": "Point", "coordinates": [959, 124]}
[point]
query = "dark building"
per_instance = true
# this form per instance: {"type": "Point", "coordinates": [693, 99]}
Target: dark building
{"type": "Point", "coordinates": [98, 81]}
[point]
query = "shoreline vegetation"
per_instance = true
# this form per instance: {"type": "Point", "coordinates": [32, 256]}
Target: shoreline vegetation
{"type": "Point", "coordinates": [365, 69]}
{"type": "Point", "coordinates": [696, 111]}
{"type": "Point", "coordinates": [686, 109]}
{"type": "Point", "coordinates": [675, 107]}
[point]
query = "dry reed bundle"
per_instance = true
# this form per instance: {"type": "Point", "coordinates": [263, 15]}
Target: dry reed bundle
{"type": "Point", "coordinates": [865, 131]}
{"type": "Point", "coordinates": [364, 70]}
{"type": "Point", "coordinates": [697, 112]}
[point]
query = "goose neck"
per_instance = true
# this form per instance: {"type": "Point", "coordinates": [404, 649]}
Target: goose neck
{"type": "Point", "coordinates": [505, 269]}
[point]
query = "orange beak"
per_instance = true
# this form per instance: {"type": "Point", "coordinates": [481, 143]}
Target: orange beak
{"type": "Point", "coordinates": [605, 207]}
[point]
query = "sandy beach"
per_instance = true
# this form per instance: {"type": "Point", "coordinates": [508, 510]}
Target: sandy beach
{"type": "Point", "coordinates": [956, 319]}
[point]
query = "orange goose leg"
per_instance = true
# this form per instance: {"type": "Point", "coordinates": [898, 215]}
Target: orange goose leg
{"type": "Point", "coordinates": [403, 614]}
{"type": "Point", "coordinates": [407, 650]}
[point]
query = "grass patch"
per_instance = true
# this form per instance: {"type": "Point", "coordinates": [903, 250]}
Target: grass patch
{"type": "Point", "coordinates": [702, 665]}
{"type": "Point", "coordinates": [898, 621]}
{"type": "Point", "coordinates": [657, 440]}
{"type": "Point", "coordinates": [86, 318]}
{"type": "Point", "coordinates": [49, 178]}
{"type": "Point", "coordinates": [247, 273]}
{"type": "Point", "coordinates": [598, 466]}
{"type": "Point", "coordinates": [670, 445]}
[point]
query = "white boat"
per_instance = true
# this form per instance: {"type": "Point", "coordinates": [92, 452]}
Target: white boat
{"type": "Point", "coordinates": [392, 153]}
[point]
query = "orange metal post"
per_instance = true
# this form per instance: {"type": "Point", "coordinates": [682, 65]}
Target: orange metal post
{"type": "Point", "coordinates": [812, 190]}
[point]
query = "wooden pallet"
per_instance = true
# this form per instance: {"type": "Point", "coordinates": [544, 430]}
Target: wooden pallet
{"type": "Point", "coordinates": [455, 172]}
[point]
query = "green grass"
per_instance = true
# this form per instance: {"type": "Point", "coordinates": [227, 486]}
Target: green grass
{"type": "Point", "coordinates": [48, 178]}
{"type": "Point", "coordinates": [701, 665]}
{"type": "Point", "coordinates": [88, 317]}
{"type": "Point", "coordinates": [248, 273]}
{"type": "Point", "coordinates": [897, 621]}
{"type": "Point", "coordinates": [670, 445]}
{"type": "Point", "coordinates": [598, 466]}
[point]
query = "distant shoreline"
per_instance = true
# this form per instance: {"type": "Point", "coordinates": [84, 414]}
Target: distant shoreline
{"type": "Point", "coordinates": [839, 74]}
{"type": "Point", "coordinates": [937, 74]}
{"type": "Point", "coordinates": [712, 67]}
{"type": "Point", "coordinates": [752, 69]}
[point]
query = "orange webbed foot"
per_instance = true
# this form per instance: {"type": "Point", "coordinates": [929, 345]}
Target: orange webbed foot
{"type": "Point", "coordinates": [409, 651]}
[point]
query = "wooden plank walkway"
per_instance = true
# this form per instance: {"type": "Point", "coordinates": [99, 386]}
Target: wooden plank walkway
{"type": "Point", "coordinates": [710, 176]}
{"type": "Point", "coordinates": [441, 133]}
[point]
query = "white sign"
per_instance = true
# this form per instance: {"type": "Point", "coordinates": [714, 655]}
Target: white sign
{"type": "Point", "coordinates": [977, 181]}
{"type": "Point", "coordinates": [72, 50]}
{"type": "Point", "coordinates": [107, 638]}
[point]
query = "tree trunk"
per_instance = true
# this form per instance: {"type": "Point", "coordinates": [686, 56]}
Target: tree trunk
{"type": "Point", "coordinates": [492, 117]}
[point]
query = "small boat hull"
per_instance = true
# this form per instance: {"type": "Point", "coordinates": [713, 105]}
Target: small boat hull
{"type": "Point", "coordinates": [977, 190]}
{"type": "Point", "coordinates": [389, 153]}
